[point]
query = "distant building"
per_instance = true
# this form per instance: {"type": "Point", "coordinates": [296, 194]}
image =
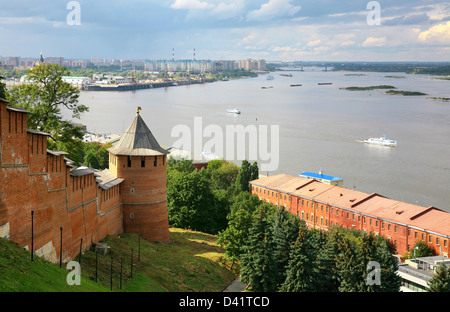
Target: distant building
{"type": "Point", "coordinates": [77, 81]}
{"type": "Point", "coordinates": [12, 60]}
{"type": "Point", "coordinates": [76, 63]}
{"type": "Point", "coordinates": [416, 273]}
{"type": "Point", "coordinates": [327, 179]}
{"type": "Point", "coordinates": [55, 60]}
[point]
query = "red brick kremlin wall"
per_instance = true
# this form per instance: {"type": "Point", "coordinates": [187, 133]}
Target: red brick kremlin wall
{"type": "Point", "coordinates": [35, 179]}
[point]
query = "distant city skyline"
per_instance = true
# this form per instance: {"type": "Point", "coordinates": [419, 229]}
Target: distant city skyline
{"type": "Point", "coordinates": [274, 30]}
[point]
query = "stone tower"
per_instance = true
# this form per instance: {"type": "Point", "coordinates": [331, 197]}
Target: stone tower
{"type": "Point", "coordinates": [141, 162]}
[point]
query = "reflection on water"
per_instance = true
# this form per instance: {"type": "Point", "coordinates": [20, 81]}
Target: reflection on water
{"type": "Point", "coordinates": [379, 150]}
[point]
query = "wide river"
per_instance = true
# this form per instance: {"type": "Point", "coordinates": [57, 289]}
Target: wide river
{"type": "Point", "coordinates": [320, 126]}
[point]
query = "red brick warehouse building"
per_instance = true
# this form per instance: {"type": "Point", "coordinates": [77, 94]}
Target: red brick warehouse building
{"type": "Point", "coordinates": [322, 205]}
{"type": "Point", "coordinates": [86, 203]}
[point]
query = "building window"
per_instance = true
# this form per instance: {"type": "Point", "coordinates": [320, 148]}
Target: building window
{"type": "Point", "coordinates": [430, 239]}
{"type": "Point", "coordinates": [437, 241]}
{"type": "Point", "coordinates": [445, 243]}
{"type": "Point", "coordinates": [156, 161]}
{"type": "Point", "coordinates": [129, 161]}
{"type": "Point", "coordinates": [143, 161]}
{"type": "Point", "coordinates": [395, 229]}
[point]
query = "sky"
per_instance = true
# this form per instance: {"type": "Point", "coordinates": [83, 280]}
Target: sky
{"type": "Point", "coordinates": [274, 30]}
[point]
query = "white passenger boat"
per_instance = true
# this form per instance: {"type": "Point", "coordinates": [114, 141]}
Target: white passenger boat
{"type": "Point", "coordinates": [234, 111]}
{"type": "Point", "coordinates": [381, 141]}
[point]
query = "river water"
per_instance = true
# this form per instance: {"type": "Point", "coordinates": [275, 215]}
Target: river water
{"type": "Point", "coordinates": [320, 126]}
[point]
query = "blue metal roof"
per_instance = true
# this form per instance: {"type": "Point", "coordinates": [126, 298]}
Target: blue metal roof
{"type": "Point", "coordinates": [320, 176]}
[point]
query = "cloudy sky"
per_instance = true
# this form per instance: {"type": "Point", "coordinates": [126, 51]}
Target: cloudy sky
{"type": "Point", "coordinates": [275, 30]}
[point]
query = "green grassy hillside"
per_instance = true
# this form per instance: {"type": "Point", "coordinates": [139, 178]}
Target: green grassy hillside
{"type": "Point", "coordinates": [191, 262]}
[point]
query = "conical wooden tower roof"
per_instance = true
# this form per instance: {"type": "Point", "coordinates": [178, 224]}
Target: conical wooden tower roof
{"type": "Point", "coordinates": [138, 140]}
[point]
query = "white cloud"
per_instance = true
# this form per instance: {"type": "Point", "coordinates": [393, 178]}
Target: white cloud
{"type": "Point", "coordinates": [347, 43]}
{"type": "Point", "coordinates": [374, 42]}
{"type": "Point", "coordinates": [228, 10]}
{"type": "Point", "coordinates": [436, 34]}
{"type": "Point", "coordinates": [284, 49]}
{"type": "Point", "coordinates": [273, 9]}
{"type": "Point", "coordinates": [313, 43]}
{"type": "Point", "coordinates": [190, 5]}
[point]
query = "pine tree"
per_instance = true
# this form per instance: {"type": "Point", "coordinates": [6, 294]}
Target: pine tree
{"type": "Point", "coordinates": [243, 177]}
{"type": "Point", "coordinates": [327, 280]}
{"type": "Point", "coordinates": [254, 171]}
{"type": "Point", "coordinates": [390, 280]}
{"type": "Point", "coordinates": [257, 263]}
{"type": "Point", "coordinates": [348, 266]}
{"type": "Point", "coordinates": [301, 274]}
{"type": "Point", "coordinates": [366, 249]}
{"type": "Point", "coordinates": [285, 232]}
{"type": "Point", "coordinates": [440, 282]}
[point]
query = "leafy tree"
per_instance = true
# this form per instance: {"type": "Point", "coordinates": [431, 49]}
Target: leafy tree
{"type": "Point", "coordinates": [180, 165]}
{"type": "Point", "coordinates": [222, 173]}
{"type": "Point", "coordinates": [2, 89]}
{"type": "Point", "coordinates": [254, 171]}
{"type": "Point", "coordinates": [247, 172]}
{"type": "Point", "coordinates": [240, 220]}
{"type": "Point", "coordinates": [96, 155]}
{"type": "Point", "coordinates": [192, 203]}
{"type": "Point", "coordinates": [45, 97]}
{"type": "Point", "coordinates": [189, 198]}
{"type": "Point", "coordinates": [440, 282]}
{"type": "Point", "coordinates": [421, 249]}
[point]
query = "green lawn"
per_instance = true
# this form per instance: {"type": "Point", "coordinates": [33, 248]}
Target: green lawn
{"type": "Point", "coordinates": [191, 262]}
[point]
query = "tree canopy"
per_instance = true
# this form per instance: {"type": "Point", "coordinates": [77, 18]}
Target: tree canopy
{"type": "Point", "coordinates": [45, 95]}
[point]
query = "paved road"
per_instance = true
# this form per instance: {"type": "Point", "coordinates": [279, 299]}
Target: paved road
{"type": "Point", "coordinates": [236, 286]}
